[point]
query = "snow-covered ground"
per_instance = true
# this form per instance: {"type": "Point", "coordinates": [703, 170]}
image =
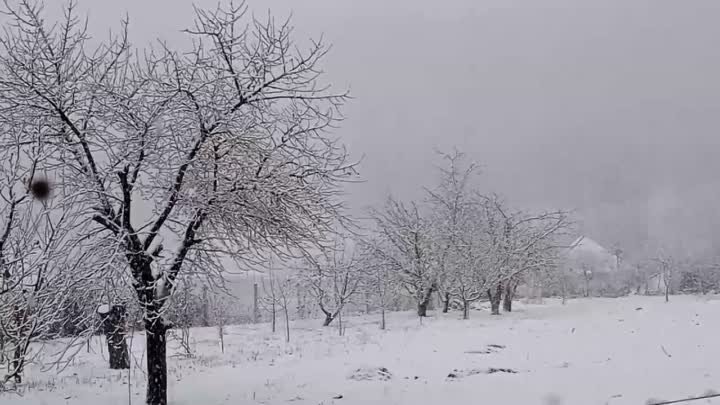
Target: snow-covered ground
{"type": "Point", "coordinates": [591, 351]}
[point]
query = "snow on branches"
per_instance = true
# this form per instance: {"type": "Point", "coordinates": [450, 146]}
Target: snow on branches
{"type": "Point", "coordinates": [181, 157]}
{"type": "Point", "coordinates": [462, 243]}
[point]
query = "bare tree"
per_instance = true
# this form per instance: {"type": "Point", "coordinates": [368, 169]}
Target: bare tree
{"type": "Point", "coordinates": [284, 288]}
{"type": "Point", "coordinates": [667, 266]}
{"type": "Point", "coordinates": [270, 300]}
{"type": "Point", "coordinates": [473, 263]}
{"type": "Point", "coordinates": [220, 308]}
{"type": "Point", "coordinates": [509, 294]}
{"type": "Point", "coordinates": [618, 253]}
{"type": "Point", "coordinates": [380, 281]}
{"type": "Point", "coordinates": [224, 145]}
{"type": "Point", "coordinates": [524, 243]}
{"type": "Point", "coordinates": [42, 263]}
{"type": "Point", "coordinates": [406, 244]}
{"type": "Point", "coordinates": [465, 244]}
{"type": "Point", "coordinates": [41, 285]}
{"type": "Point", "coordinates": [184, 311]}
{"type": "Point", "coordinates": [278, 287]}
{"type": "Point", "coordinates": [333, 279]}
{"type": "Point", "coordinates": [114, 323]}
{"type": "Point", "coordinates": [457, 231]}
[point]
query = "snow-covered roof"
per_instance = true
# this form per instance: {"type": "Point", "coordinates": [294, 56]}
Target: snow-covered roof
{"type": "Point", "coordinates": [583, 243]}
{"type": "Point", "coordinates": [585, 251]}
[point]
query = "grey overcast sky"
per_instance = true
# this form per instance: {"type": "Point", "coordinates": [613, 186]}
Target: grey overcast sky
{"type": "Point", "coordinates": [610, 107]}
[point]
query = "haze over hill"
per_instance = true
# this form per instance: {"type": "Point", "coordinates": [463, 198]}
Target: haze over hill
{"type": "Point", "coordinates": [604, 107]}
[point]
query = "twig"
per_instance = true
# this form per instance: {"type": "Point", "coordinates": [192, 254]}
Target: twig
{"type": "Point", "coordinates": [677, 401]}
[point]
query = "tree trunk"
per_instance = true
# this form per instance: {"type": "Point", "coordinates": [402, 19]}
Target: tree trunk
{"type": "Point", "coordinates": [446, 303]}
{"type": "Point", "coordinates": [114, 328]}
{"type": "Point", "coordinates": [510, 290]}
{"type": "Point", "coordinates": [495, 299]}
{"type": "Point", "coordinates": [328, 319]}
{"type": "Point", "coordinates": [221, 334]}
{"type": "Point", "coordinates": [424, 302]}
{"type": "Point", "coordinates": [466, 310]}
{"type": "Point", "coordinates": [507, 302]}
{"type": "Point", "coordinates": [17, 364]}
{"type": "Point", "coordinates": [494, 305]}
{"type": "Point", "coordinates": [382, 318]}
{"type": "Point", "coordinates": [287, 323]}
{"type": "Point", "coordinates": [118, 352]}
{"type": "Point", "coordinates": [422, 309]}
{"type": "Point", "coordinates": [256, 311]}
{"type": "Point", "coordinates": [18, 360]}
{"type": "Point", "coordinates": [273, 315]}
{"type": "Point", "coordinates": [300, 302]}
{"type": "Point", "coordinates": [156, 362]}
{"type": "Point", "coordinates": [667, 298]}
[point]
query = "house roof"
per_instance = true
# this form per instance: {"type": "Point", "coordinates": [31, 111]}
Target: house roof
{"type": "Point", "coordinates": [586, 251]}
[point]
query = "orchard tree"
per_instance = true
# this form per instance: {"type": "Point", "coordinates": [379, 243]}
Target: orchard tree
{"type": "Point", "coordinates": [284, 288]}
{"type": "Point", "coordinates": [198, 155]}
{"type": "Point", "coordinates": [668, 267]}
{"type": "Point", "coordinates": [277, 289]}
{"type": "Point", "coordinates": [472, 262]}
{"type": "Point", "coordinates": [43, 268]}
{"type": "Point", "coordinates": [380, 280]}
{"type": "Point", "coordinates": [269, 301]}
{"type": "Point", "coordinates": [333, 278]}
{"type": "Point", "coordinates": [407, 245]}
{"type": "Point", "coordinates": [34, 286]}
{"type": "Point", "coordinates": [523, 244]}
{"type": "Point", "coordinates": [453, 210]}
{"type": "Point", "coordinates": [184, 311]}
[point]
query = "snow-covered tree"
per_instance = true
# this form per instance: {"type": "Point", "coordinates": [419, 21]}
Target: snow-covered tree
{"type": "Point", "coordinates": [473, 263]}
{"type": "Point", "coordinates": [523, 243]}
{"type": "Point", "coordinates": [277, 286]}
{"type": "Point", "coordinates": [45, 268]}
{"type": "Point", "coordinates": [333, 278]}
{"type": "Point", "coordinates": [457, 230]}
{"type": "Point", "coordinates": [180, 156]}
{"type": "Point", "coordinates": [284, 287]}
{"type": "Point", "coordinates": [380, 282]}
{"type": "Point", "coordinates": [700, 277]}
{"type": "Point", "coordinates": [221, 308]}
{"type": "Point", "coordinates": [406, 243]}
{"type": "Point", "coordinates": [463, 243]}
{"type": "Point", "coordinates": [184, 311]}
{"type": "Point", "coordinates": [668, 267]}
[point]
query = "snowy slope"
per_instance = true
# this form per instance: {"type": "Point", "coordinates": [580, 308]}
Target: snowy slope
{"type": "Point", "coordinates": [593, 351]}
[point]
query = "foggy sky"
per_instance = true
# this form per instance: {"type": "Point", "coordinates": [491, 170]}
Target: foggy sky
{"type": "Point", "coordinates": [609, 107]}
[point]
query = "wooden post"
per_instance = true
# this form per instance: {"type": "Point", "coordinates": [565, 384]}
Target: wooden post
{"type": "Point", "coordinates": [113, 320]}
{"type": "Point", "coordinates": [256, 315]}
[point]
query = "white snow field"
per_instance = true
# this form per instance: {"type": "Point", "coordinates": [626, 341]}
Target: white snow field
{"type": "Point", "coordinates": [590, 351]}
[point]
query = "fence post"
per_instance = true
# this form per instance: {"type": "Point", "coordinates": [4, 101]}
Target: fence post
{"type": "Point", "coordinates": [256, 314]}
